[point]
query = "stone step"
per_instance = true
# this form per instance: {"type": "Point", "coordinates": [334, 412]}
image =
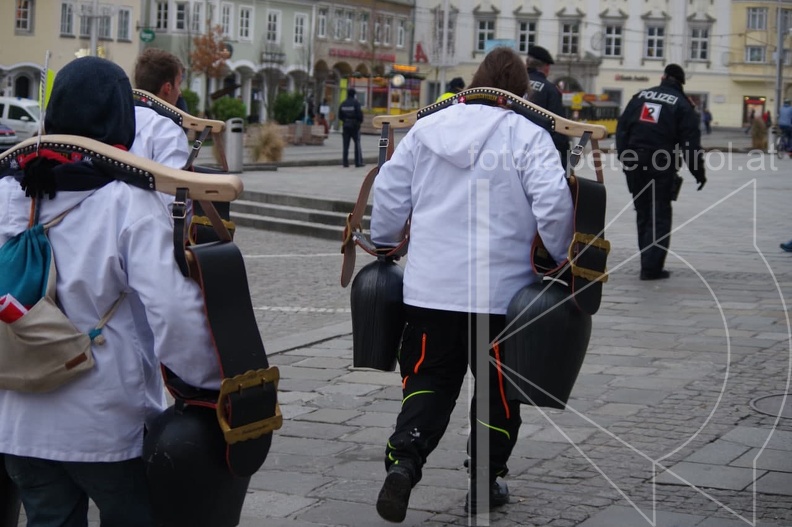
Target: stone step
{"type": "Point", "coordinates": [304, 228]}
{"type": "Point", "coordinates": [302, 215]}
{"type": "Point", "coordinates": [305, 202]}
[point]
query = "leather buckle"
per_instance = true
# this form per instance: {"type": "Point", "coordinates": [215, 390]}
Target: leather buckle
{"type": "Point", "coordinates": [349, 233]}
{"type": "Point", "coordinates": [178, 210]}
{"type": "Point", "coordinates": [589, 241]}
{"type": "Point", "coordinates": [256, 429]}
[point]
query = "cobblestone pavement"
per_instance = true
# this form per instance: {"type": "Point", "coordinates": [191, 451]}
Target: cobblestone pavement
{"type": "Point", "coordinates": [665, 393]}
{"type": "Point", "coordinates": [661, 428]}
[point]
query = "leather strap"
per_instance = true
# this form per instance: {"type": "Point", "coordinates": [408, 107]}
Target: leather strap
{"type": "Point", "coordinates": [179, 214]}
{"type": "Point", "coordinates": [247, 405]}
{"type": "Point", "coordinates": [196, 147]}
{"type": "Point", "coordinates": [353, 233]}
{"type": "Point", "coordinates": [584, 269]}
{"type": "Point", "coordinates": [219, 141]}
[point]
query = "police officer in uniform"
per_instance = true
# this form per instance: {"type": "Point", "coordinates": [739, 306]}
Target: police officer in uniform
{"type": "Point", "coordinates": [352, 115]}
{"type": "Point", "coordinates": [546, 94]}
{"type": "Point", "coordinates": [658, 126]}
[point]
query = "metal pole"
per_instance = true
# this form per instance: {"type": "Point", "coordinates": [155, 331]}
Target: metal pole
{"type": "Point", "coordinates": [781, 29]}
{"type": "Point", "coordinates": [93, 24]}
{"type": "Point", "coordinates": [779, 59]}
{"type": "Point", "coordinates": [444, 52]}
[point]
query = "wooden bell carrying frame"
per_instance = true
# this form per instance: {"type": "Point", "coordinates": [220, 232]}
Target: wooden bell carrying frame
{"type": "Point", "coordinates": [585, 267]}
{"type": "Point", "coordinates": [246, 404]}
{"type": "Point", "coordinates": [201, 228]}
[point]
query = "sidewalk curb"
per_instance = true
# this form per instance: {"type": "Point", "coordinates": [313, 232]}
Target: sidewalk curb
{"type": "Point", "coordinates": [308, 338]}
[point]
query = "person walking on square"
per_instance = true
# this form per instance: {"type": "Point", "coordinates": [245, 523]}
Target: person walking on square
{"type": "Point", "coordinates": [352, 116]}
{"type": "Point", "coordinates": [437, 173]}
{"type": "Point", "coordinates": [656, 125]}
{"type": "Point", "coordinates": [706, 116]}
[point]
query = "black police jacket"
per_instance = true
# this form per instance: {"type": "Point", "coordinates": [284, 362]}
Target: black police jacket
{"type": "Point", "coordinates": [662, 120]}
{"type": "Point", "coordinates": [546, 94]}
{"type": "Point", "coordinates": [350, 113]}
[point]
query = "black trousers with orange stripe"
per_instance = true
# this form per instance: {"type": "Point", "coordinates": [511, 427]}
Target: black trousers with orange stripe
{"type": "Point", "coordinates": [437, 347]}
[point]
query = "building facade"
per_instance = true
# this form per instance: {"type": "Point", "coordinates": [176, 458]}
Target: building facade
{"type": "Point", "coordinates": [610, 48]}
{"type": "Point", "coordinates": [618, 47]}
{"type": "Point", "coordinates": [315, 48]}
{"type": "Point", "coordinates": [30, 28]}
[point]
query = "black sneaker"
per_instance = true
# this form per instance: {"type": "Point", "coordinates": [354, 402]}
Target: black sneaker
{"type": "Point", "coordinates": [498, 496]}
{"type": "Point", "coordinates": [395, 494]}
{"type": "Point", "coordinates": [657, 275]}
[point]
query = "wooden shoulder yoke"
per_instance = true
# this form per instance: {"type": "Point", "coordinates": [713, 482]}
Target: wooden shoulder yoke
{"type": "Point", "coordinates": [132, 169]}
{"type": "Point", "coordinates": [184, 119]}
{"type": "Point", "coordinates": [497, 97]}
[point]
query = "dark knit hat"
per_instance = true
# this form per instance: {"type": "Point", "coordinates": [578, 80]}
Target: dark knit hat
{"type": "Point", "coordinates": [92, 97]}
{"type": "Point", "coordinates": [675, 71]}
{"type": "Point", "coordinates": [456, 84]}
{"type": "Point", "coordinates": [351, 92]}
{"type": "Point", "coordinates": [541, 54]}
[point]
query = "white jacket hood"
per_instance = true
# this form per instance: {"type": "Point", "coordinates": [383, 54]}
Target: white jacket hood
{"type": "Point", "coordinates": [440, 131]}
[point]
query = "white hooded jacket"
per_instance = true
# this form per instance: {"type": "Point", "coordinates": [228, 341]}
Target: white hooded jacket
{"type": "Point", "coordinates": [117, 239]}
{"type": "Point", "coordinates": [477, 182]}
{"type": "Point", "coordinates": [159, 139]}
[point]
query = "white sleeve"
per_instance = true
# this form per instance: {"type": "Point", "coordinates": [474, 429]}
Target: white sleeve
{"type": "Point", "coordinates": [160, 139]}
{"type": "Point", "coordinates": [392, 195]}
{"type": "Point", "coordinates": [173, 304]}
{"type": "Point", "coordinates": [547, 189]}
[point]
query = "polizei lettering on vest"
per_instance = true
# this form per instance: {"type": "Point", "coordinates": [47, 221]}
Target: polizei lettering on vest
{"type": "Point", "coordinates": [537, 85]}
{"type": "Point", "coordinates": [660, 97]}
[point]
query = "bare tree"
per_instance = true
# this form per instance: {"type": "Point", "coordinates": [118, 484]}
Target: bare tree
{"type": "Point", "coordinates": [209, 56]}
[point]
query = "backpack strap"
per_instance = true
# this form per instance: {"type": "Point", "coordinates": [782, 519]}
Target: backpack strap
{"type": "Point", "coordinates": [353, 232]}
{"type": "Point", "coordinates": [96, 333]}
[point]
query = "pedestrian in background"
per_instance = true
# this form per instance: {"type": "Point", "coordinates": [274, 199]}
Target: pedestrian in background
{"type": "Point", "coordinates": [759, 135]}
{"type": "Point", "coordinates": [706, 116]}
{"type": "Point", "coordinates": [456, 85]}
{"type": "Point", "coordinates": [656, 125]}
{"type": "Point", "coordinates": [438, 171]}
{"type": "Point", "coordinates": [785, 124]}
{"type": "Point", "coordinates": [352, 116]}
{"type": "Point", "coordinates": [546, 94]}
{"type": "Point", "coordinates": [751, 118]}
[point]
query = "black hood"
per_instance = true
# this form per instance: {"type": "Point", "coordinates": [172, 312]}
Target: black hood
{"type": "Point", "coordinates": [92, 97]}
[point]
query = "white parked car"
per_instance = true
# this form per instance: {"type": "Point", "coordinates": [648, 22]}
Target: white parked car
{"type": "Point", "coordinates": [21, 115]}
{"type": "Point", "coordinates": [8, 138]}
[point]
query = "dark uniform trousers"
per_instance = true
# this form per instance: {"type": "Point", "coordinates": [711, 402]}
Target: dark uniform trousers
{"type": "Point", "coordinates": [351, 133]}
{"type": "Point", "coordinates": [652, 213]}
{"type": "Point", "coordinates": [436, 349]}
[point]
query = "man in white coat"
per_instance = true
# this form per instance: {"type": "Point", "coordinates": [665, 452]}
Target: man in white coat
{"type": "Point", "coordinates": [157, 137]}
{"type": "Point", "coordinates": [84, 439]}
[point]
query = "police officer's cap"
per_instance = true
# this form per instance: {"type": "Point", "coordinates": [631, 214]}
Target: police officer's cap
{"type": "Point", "coordinates": [541, 54]}
{"type": "Point", "coordinates": [675, 71]}
{"type": "Point", "coordinates": [457, 83]}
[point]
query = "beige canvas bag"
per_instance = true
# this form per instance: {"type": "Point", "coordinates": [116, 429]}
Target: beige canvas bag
{"type": "Point", "coordinates": [43, 350]}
